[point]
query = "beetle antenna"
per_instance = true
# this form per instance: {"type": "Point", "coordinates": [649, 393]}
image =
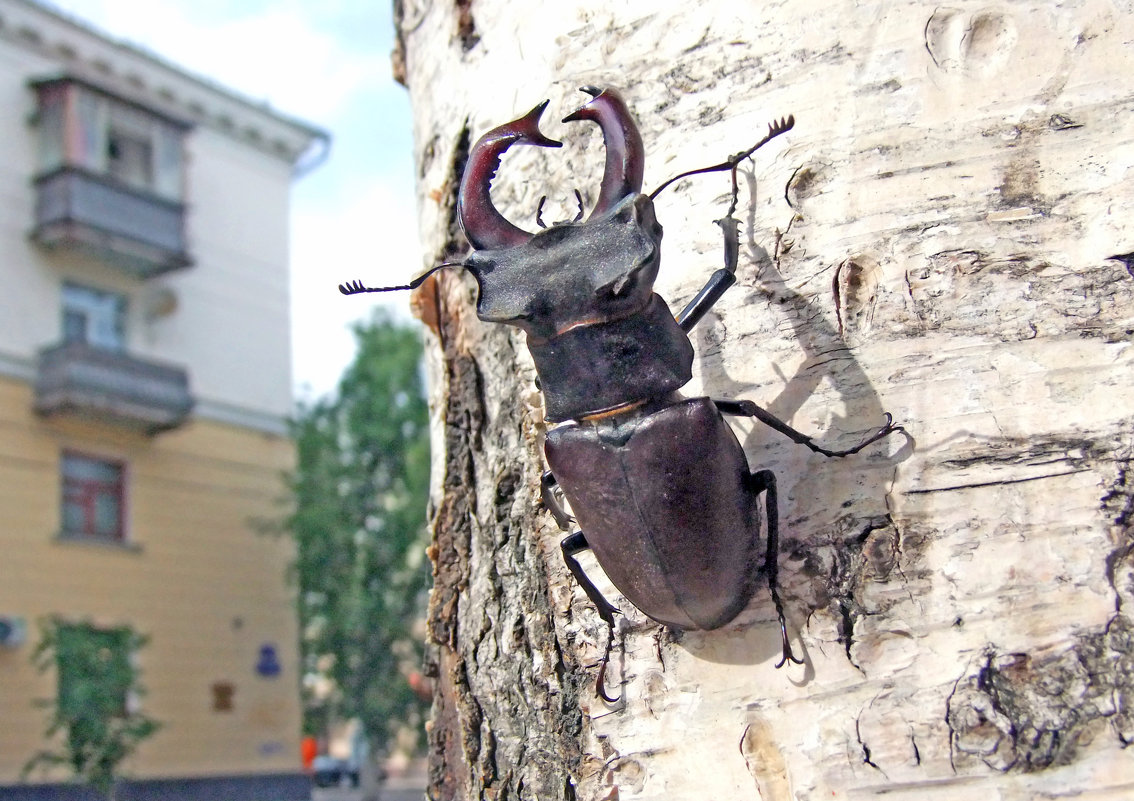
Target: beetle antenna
{"type": "Point", "coordinates": [358, 288]}
{"type": "Point", "coordinates": [776, 128]}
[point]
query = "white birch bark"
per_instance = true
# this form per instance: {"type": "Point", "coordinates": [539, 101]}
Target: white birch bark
{"type": "Point", "coordinates": [945, 235]}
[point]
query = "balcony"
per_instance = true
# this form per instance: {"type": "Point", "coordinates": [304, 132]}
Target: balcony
{"type": "Point", "coordinates": [80, 381]}
{"type": "Point", "coordinates": [140, 232]}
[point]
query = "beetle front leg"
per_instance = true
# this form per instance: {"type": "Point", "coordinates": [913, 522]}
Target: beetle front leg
{"type": "Point", "coordinates": [765, 481]}
{"type": "Point", "coordinates": [719, 282]}
{"type": "Point", "coordinates": [746, 408]}
{"type": "Point", "coordinates": [572, 545]}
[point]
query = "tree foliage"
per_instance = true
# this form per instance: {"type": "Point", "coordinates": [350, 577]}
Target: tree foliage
{"type": "Point", "coordinates": [360, 492]}
{"type": "Point", "coordinates": [94, 711]}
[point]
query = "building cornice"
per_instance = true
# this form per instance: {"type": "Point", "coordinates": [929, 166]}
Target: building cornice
{"type": "Point", "coordinates": [82, 52]}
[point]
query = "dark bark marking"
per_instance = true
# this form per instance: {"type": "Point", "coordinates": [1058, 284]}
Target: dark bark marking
{"type": "Point", "coordinates": [858, 551]}
{"type": "Point", "coordinates": [466, 27]}
{"type": "Point", "coordinates": [1018, 297]}
{"type": "Point", "coordinates": [865, 748]}
{"type": "Point", "coordinates": [1127, 259]}
{"type": "Point", "coordinates": [1028, 712]}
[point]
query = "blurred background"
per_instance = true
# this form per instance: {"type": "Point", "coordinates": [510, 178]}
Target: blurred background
{"type": "Point", "coordinates": [327, 63]}
{"type": "Point", "coordinates": [213, 467]}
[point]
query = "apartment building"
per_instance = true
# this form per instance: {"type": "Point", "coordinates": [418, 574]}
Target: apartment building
{"type": "Point", "coordinates": [144, 387]}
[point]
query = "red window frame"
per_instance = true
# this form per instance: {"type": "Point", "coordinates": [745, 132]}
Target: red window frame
{"type": "Point", "coordinates": [84, 492]}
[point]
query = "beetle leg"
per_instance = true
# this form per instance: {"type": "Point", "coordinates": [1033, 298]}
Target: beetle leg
{"type": "Point", "coordinates": [547, 485]}
{"type": "Point", "coordinates": [572, 545]}
{"type": "Point", "coordinates": [765, 481]}
{"type": "Point", "coordinates": [539, 212]}
{"type": "Point", "coordinates": [719, 282]}
{"type": "Point", "coordinates": [746, 408]}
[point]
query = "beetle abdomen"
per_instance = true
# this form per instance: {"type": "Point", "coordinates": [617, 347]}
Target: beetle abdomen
{"type": "Point", "coordinates": [665, 505]}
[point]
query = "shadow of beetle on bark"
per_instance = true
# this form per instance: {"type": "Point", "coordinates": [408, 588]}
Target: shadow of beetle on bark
{"type": "Point", "coordinates": [658, 483]}
{"type": "Point", "coordinates": [823, 528]}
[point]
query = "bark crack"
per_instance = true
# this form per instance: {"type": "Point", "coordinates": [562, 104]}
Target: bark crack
{"type": "Point", "coordinates": [865, 748]}
{"type": "Point", "coordinates": [998, 483]}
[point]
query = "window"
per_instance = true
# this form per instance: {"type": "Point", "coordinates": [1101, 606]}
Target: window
{"type": "Point", "coordinates": [111, 178]}
{"type": "Point", "coordinates": [81, 126]}
{"type": "Point", "coordinates": [93, 498]}
{"type": "Point", "coordinates": [223, 692]}
{"type": "Point", "coordinates": [94, 317]}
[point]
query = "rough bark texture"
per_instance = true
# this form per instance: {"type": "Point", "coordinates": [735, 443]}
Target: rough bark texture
{"type": "Point", "coordinates": [943, 236]}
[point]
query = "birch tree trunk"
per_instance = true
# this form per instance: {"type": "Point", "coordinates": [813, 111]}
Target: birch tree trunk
{"type": "Point", "coordinates": [945, 235]}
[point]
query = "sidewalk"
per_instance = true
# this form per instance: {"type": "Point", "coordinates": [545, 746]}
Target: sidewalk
{"type": "Point", "coordinates": [404, 782]}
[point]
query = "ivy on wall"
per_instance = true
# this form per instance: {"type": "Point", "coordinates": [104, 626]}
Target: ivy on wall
{"type": "Point", "coordinates": [93, 721]}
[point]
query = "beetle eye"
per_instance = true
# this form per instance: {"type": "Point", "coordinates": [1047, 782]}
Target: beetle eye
{"type": "Point", "coordinates": [618, 287]}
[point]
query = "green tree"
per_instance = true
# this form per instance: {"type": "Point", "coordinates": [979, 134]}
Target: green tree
{"type": "Point", "coordinates": [94, 710]}
{"type": "Point", "coordinates": [360, 492]}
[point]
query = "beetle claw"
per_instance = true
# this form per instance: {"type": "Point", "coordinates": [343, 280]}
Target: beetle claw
{"type": "Point", "coordinates": [625, 153]}
{"type": "Point", "coordinates": [600, 683]}
{"type": "Point", "coordinates": [485, 227]}
{"type": "Point", "coordinates": [788, 654]}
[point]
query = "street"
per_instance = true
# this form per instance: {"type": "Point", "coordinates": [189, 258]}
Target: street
{"type": "Point", "coordinates": [402, 783]}
{"type": "Point", "coordinates": [384, 793]}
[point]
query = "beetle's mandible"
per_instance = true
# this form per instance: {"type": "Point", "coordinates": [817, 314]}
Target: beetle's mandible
{"type": "Point", "coordinates": [658, 483]}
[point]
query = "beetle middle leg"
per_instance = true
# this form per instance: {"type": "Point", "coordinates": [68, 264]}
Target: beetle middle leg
{"type": "Point", "coordinates": [746, 408]}
{"type": "Point", "coordinates": [571, 545]}
{"type": "Point", "coordinates": [547, 485]}
{"type": "Point", "coordinates": [765, 481]}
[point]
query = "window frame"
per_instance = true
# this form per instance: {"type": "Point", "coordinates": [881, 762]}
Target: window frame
{"type": "Point", "coordinates": [91, 490]}
{"type": "Point", "coordinates": [94, 309]}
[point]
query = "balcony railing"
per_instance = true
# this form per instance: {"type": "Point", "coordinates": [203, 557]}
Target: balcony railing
{"type": "Point", "coordinates": [78, 380]}
{"type": "Point", "coordinates": [141, 233]}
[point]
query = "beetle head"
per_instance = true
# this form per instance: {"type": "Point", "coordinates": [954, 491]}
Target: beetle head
{"type": "Point", "coordinates": [572, 273]}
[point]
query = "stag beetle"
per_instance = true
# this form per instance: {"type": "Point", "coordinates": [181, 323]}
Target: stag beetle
{"type": "Point", "coordinates": [659, 484]}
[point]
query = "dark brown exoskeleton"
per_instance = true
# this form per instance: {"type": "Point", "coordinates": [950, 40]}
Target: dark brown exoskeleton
{"type": "Point", "coordinates": [658, 483]}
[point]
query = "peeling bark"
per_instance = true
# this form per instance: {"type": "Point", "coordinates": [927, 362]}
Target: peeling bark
{"type": "Point", "coordinates": [945, 236]}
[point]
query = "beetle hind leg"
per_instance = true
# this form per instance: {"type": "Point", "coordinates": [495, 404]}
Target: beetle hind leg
{"type": "Point", "coordinates": [746, 408]}
{"type": "Point", "coordinates": [571, 545]}
{"type": "Point", "coordinates": [765, 481]}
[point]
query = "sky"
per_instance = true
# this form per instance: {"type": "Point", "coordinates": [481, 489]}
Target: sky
{"type": "Point", "coordinates": [326, 62]}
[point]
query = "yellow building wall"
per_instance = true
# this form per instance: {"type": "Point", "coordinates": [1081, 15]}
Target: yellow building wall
{"type": "Point", "coordinates": [196, 577]}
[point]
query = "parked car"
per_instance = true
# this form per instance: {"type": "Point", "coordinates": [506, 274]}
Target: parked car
{"type": "Point", "coordinates": [328, 771]}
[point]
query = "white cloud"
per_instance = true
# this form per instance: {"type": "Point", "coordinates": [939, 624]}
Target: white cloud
{"type": "Point", "coordinates": [280, 54]}
{"type": "Point", "coordinates": [370, 237]}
